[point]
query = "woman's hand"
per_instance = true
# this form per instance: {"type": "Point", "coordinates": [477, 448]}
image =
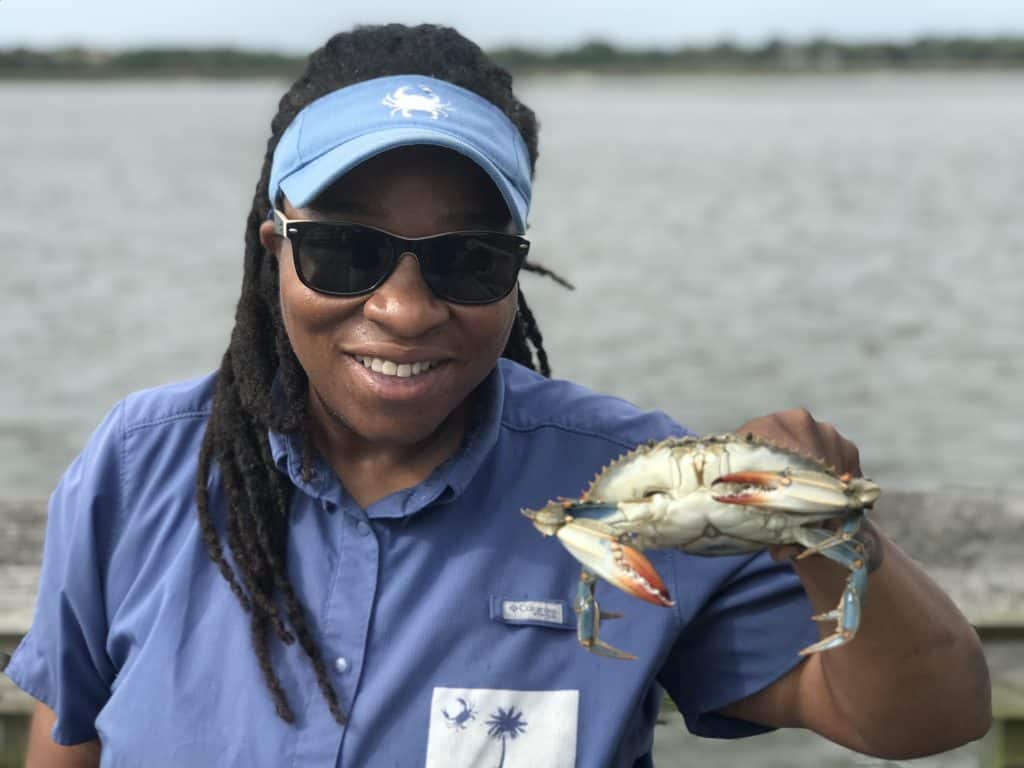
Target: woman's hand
{"type": "Point", "coordinates": [915, 661]}
{"type": "Point", "coordinates": [797, 430]}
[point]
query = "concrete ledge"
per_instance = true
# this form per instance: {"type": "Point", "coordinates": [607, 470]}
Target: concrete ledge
{"type": "Point", "coordinates": [970, 542]}
{"type": "Point", "coordinates": [22, 525]}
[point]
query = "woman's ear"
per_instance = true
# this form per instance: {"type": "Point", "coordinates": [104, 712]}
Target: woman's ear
{"type": "Point", "coordinates": [270, 239]}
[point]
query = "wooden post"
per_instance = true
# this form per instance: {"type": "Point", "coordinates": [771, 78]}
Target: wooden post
{"type": "Point", "coordinates": [1009, 751]}
{"type": "Point", "coordinates": [13, 740]}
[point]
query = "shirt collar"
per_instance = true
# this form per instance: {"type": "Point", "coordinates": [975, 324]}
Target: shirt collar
{"type": "Point", "coordinates": [449, 480]}
{"type": "Point", "coordinates": [482, 435]}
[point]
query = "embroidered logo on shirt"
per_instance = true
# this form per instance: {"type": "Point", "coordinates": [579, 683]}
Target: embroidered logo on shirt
{"type": "Point", "coordinates": [402, 100]}
{"type": "Point", "coordinates": [516, 728]}
{"type": "Point", "coordinates": [532, 610]}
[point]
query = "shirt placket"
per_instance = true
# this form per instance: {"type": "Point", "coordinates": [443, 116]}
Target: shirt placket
{"type": "Point", "coordinates": [346, 626]}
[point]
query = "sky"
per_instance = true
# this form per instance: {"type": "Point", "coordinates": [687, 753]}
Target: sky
{"type": "Point", "coordinates": [297, 27]}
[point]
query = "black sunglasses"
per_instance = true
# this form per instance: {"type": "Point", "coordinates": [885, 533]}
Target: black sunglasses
{"type": "Point", "coordinates": [342, 259]}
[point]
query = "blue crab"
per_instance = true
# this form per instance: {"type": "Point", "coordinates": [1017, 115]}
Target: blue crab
{"type": "Point", "coordinates": [716, 495]}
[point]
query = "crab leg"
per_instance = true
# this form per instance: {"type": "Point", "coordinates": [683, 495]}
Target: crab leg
{"type": "Point", "coordinates": [799, 491]}
{"type": "Point", "coordinates": [588, 619]}
{"type": "Point", "coordinates": [847, 531]}
{"type": "Point", "coordinates": [842, 548]}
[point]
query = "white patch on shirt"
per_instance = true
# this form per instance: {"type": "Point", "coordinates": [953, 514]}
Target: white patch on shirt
{"type": "Point", "coordinates": [532, 610]}
{"type": "Point", "coordinates": [472, 727]}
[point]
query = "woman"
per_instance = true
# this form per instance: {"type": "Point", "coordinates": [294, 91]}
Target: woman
{"type": "Point", "coordinates": [363, 454]}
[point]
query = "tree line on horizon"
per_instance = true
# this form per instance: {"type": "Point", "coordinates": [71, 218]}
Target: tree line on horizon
{"type": "Point", "coordinates": [822, 55]}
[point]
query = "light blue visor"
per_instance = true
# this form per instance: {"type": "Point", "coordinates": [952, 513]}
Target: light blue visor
{"type": "Point", "coordinates": [344, 128]}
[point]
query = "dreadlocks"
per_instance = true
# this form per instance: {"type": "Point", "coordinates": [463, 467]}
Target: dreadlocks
{"type": "Point", "coordinates": [257, 494]}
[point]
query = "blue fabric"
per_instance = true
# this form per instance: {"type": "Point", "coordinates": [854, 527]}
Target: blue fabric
{"type": "Point", "coordinates": [346, 127]}
{"type": "Point", "coordinates": [138, 640]}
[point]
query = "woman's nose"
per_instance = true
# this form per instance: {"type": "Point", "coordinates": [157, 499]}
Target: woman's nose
{"type": "Point", "coordinates": [404, 304]}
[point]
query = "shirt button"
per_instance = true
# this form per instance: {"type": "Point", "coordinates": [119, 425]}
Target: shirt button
{"type": "Point", "coordinates": [341, 665]}
{"type": "Point", "coordinates": [363, 528]}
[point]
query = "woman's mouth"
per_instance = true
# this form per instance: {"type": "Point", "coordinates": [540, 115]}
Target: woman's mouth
{"type": "Point", "coordinates": [391, 368]}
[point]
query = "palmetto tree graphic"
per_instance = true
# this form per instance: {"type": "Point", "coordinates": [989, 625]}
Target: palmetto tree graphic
{"type": "Point", "coordinates": [505, 724]}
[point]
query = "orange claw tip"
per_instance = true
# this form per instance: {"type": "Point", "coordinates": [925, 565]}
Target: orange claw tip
{"type": "Point", "coordinates": [749, 499]}
{"type": "Point", "coordinates": [642, 580]}
{"type": "Point", "coordinates": [770, 479]}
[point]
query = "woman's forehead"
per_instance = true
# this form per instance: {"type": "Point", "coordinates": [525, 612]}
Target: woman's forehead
{"type": "Point", "coordinates": [419, 158]}
{"type": "Point", "coordinates": [437, 171]}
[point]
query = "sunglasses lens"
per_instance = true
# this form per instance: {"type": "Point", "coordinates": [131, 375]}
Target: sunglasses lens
{"type": "Point", "coordinates": [343, 260]}
{"type": "Point", "coordinates": [471, 269]}
{"type": "Point", "coordinates": [464, 268]}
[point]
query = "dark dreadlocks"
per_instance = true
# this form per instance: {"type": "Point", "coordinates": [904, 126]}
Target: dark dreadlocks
{"type": "Point", "coordinates": [257, 494]}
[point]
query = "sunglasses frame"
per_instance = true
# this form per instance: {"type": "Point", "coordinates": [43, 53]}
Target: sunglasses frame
{"type": "Point", "coordinates": [293, 230]}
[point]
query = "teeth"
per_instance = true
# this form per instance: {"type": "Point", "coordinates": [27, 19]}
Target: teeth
{"type": "Point", "coordinates": [390, 368]}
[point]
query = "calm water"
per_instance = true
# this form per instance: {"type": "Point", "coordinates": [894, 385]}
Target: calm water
{"type": "Point", "coordinates": [739, 245]}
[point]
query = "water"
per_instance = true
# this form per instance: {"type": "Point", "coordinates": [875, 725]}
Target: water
{"type": "Point", "coordinates": [739, 245]}
{"type": "Point", "coordinates": [852, 244]}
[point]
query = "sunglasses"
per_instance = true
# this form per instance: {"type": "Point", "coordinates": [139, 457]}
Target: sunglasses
{"type": "Point", "coordinates": [341, 259]}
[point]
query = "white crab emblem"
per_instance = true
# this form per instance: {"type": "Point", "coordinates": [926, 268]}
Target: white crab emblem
{"type": "Point", "coordinates": [407, 103]}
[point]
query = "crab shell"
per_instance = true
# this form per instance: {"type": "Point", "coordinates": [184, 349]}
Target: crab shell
{"type": "Point", "coordinates": [721, 494]}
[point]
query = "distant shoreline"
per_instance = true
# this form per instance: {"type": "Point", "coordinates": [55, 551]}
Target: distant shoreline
{"type": "Point", "coordinates": [522, 75]}
{"type": "Point", "coordinates": [822, 56]}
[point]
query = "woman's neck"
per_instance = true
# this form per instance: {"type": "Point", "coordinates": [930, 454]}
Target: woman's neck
{"type": "Point", "coordinates": [372, 469]}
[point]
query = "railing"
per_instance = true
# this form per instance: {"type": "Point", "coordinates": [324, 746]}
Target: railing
{"type": "Point", "coordinates": [970, 542]}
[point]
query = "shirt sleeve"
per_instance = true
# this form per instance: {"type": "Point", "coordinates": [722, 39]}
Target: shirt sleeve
{"type": "Point", "coordinates": [63, 660]}
{"type": "Point", "coordinates": [747, 635]}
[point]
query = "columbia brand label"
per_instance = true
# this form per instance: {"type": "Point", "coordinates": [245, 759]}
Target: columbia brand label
{"type": "Point", "coordinates": [541, 611]}
{"type": "Point", "coordinates": [472, 727]}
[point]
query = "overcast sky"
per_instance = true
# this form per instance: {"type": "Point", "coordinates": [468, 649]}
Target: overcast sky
{"type": "Point", "coordinates": [300, 26]}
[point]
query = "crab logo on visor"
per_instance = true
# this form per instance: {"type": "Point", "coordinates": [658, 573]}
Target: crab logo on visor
{"type": "Point", "coordinates": [406, 102]}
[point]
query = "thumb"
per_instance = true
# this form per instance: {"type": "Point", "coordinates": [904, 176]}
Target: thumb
{"type": "Point", "coordinates": [782, 552]}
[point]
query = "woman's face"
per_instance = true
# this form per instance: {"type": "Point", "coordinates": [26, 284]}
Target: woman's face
{"type": "Point", "coordinates": [412, 191]}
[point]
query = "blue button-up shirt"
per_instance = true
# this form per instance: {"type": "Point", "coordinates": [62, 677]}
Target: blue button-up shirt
{"type": "Point", "coordinates": [444, 618]}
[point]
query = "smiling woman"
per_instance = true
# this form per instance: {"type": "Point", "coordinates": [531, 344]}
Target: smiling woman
{"type": "Point", "coordinates": [378, 432]}
{"type": "Point", "coordinates": [381, 428]}
{"type": "Point", "coordinates": [315, 555]}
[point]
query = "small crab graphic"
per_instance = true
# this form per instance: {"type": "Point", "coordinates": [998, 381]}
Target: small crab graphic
{"type": "Point", "coordinates": [426, 101]}
{"type": "Point", "coordinates": [460, 719]}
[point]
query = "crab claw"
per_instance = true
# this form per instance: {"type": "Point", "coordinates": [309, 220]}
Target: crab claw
{"type": "Point", "coordinates": [619, 564]}
{"type": "Point", "coordinates": [797, 492]}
